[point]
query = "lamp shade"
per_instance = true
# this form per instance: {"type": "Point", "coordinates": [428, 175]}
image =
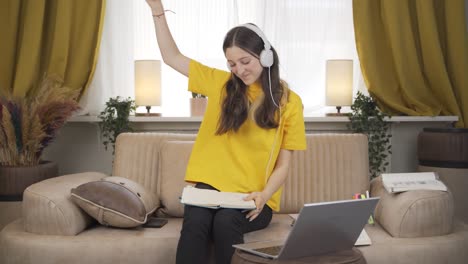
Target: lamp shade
{"type": "Point", "coordinates": [148, 82]}
{"type": "Point", "coordinates": [339, 83]}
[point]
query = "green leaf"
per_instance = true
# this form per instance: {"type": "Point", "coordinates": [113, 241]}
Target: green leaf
{"type": "Point", "coordinates": [115, 119]}
{"type": "Point", "coordinates": [367, 119]}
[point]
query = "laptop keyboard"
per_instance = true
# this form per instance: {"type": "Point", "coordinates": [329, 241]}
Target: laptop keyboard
{"type": "Point", "coordinates": [274, 250]}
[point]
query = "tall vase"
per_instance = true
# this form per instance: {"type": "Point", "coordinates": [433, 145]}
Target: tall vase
{"type": "Point", "coordinates": [14, 180]}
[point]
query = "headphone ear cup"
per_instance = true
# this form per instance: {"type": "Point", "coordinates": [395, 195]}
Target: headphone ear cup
{"type": "Point", "coordinates": [266, 58]}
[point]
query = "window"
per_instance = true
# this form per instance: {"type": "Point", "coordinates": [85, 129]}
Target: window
{"type": "Point", "coordinates": [305, 33]}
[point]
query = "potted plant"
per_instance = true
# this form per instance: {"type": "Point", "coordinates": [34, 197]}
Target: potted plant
{"type": "Point", "coordinates": [27, 126]}
{"type": "Point", "coordinates": [115, 119]}
{"type": "Point", "coordinates": [366, 118]}
{"type": "Point", "coordinates": [198, 104]}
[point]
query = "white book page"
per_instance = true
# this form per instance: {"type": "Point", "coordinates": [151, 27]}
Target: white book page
{"type": "Point", "coordinates": [212, 198]}
{"type": "Point", "coordinates": [396, 182]}
{"type": "Point", "coordinates": [405, 177]}
{"type": "Point", "coordinates": [195, 196]}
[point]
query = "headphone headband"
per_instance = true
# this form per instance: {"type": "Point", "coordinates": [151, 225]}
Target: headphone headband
{"type": "Point", "coordinates": [260, 33]}
{"type": "Point", "coordinates": [266, 56]}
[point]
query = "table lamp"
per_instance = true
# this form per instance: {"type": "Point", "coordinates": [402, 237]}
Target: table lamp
{"type": "Point", "coordinates": [148, 85]}
{"type": "Point", "coordinates": [339, 84]}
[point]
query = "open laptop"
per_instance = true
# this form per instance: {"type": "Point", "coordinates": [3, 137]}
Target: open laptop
{"type": "Point", "coordinates": [320, 228]}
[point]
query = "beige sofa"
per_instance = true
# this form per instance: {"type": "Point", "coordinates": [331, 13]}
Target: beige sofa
{"type": "Point", "coordinates": [412, 227]}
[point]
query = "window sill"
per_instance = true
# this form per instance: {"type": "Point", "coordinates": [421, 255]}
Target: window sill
{"type": "Point", "coordinates": [313, 118]}
{"type": "Point", "coordinates": [319, 122]}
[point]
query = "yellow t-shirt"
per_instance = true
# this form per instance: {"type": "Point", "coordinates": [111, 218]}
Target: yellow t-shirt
{"type": "Point", "coordinates": [237, 161]}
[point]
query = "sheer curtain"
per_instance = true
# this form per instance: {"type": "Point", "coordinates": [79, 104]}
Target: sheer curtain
{"type": "Point", "coordinates": [198, 28]}
{"type": "Point", "coordinates": [114, 70]}
{"type": "Point", "coordinates": [305, 33]}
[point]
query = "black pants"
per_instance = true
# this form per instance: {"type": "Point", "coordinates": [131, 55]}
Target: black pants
{"type": "Point", "coordinates": [224, 227]}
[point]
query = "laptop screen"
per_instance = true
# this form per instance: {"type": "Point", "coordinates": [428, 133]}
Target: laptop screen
{"type": "Point", "coordinates": [322, 228]}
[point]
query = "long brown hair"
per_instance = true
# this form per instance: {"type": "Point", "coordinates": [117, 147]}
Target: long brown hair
{"type": "Point", "coordinates": [235, 107]}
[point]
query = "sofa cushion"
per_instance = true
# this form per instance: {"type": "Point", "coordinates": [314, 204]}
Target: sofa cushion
{"type": "Point", "coordinates": [174, 158]}
{"type": "Point", "coordinates": [115, 201]}
{"type": "Point", "coordinates": [420, 213]}
{"type": "Point", "coordinates": [49, 210]}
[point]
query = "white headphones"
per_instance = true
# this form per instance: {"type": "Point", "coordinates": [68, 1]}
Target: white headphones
{"type": "Point", "coordinates": [266, 56]}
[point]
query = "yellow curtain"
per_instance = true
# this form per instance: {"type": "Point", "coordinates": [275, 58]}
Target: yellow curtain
{"type": "Point", "coordinates": [414, 55]}
{"type": "Point", "coordinates": [48, 37]}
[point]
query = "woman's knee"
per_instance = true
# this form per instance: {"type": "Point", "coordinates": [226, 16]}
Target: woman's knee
{"type": "Point", "coordinates": [229, 219]}
{"type": "Point", "coordinates": [196, 218]}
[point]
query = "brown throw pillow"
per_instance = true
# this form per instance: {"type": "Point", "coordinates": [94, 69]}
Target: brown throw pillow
{"type": "Point", "coordinates": [115, 201]}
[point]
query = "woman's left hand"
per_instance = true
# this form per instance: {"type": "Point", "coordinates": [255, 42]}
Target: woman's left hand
{"type": "Point", "coordinates": [260, 200]}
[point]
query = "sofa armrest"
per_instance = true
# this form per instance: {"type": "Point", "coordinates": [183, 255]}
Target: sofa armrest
{"type": "Point", "coordinates": [411, 214]}
{"type": "Point", "coordinates": [49, 210]}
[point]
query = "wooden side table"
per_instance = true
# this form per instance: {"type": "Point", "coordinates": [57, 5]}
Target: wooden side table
{"type": "Point", "coordinates": [353, 256]}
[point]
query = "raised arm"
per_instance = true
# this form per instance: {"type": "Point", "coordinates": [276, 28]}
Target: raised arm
{"type": "Point", "coordinates": [169, 51]}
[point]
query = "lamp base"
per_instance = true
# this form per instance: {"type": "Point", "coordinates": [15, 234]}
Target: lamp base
{"type": "Point", "coordinates": [148, 109]}
{"type": "Point", "coordinates": [147, 114]}
{"type": "Point", "coordinates": [338, 112]}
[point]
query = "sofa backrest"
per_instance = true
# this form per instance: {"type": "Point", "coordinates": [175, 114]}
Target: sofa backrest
{"type": "Point", "coordinates": [137, 156]}
{"type": "Point", "coordinates": [334, 167]}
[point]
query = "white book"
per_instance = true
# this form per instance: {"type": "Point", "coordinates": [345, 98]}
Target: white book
{"type": "Point", "coordinates": [214, 199]}
{"type": "Point", "coordinates": [401, 182]}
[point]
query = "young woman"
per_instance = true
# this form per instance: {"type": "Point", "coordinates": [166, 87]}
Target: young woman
{"type": "Point", "coordinates": [252, 124]}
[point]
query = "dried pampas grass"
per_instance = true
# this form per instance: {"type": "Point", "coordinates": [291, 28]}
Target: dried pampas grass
{"type": "Point", "coordinates": [29, 124]}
